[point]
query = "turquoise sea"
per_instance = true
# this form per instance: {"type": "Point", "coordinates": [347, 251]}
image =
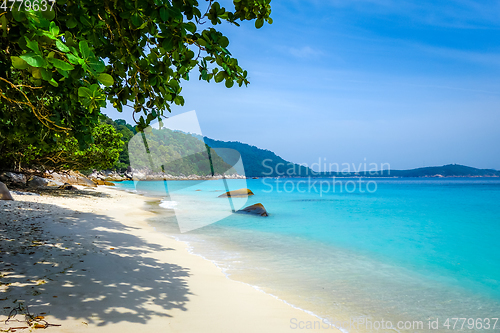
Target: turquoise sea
{"type": "Point", "coordinates": [398, 250]}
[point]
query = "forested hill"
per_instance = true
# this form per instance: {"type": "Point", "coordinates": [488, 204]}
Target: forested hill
{"type": "Point", "coordinates": [261, 162]}
{"type": "Point", "coordinates": [173, 144]}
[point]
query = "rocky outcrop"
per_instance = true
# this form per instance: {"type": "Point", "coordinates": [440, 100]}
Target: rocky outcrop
{"type": "Point", "coordinates": [4, 192]}
{"type": "Point", "coordinates": [14, 179]}
{"type": "Point", "coordinates": [242, 192]}
{"type": "Point", "coordinates": [257, 209]}
{"type": "Point", "coordinates": [147, 175]}
{"type": "Point", "coordinates": [71, 177]}
{"type": "Point", "coordinates": [37, 182]}
{"type": "Point", "coordinates": [103, 182]}
{"type": "Point", "coordinates": [108, 176]}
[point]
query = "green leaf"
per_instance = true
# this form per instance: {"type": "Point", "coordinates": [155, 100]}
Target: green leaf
{"type": "Point", "coordinates": [46, 74]}
{"type": "Point", "coordinates": [84, 49]}
{"type": "Point", "coordinates": [224, 42]}
{"type": "Point", "coordinates": [54, 83]}
{"type": "Point", "coordinates": [153, 81]}
{"type": "Point", "coordinates": [68, 37]}
{"type": "Point", "coordinates": [97, 65]}
{"type": "Point", "coordinates": [19, 16]}
{"type": "Point", "coordinates": [61, 64]}
{"type": "Point", "coordinates": [259, 23]}
{"type": "Point", "coordinates": [84, 92]}
{"type": "Point", "coordinates": [91, 97]}
{"type": "Point", "coordinates": [34, 59]}
{"type": "Point", "coordinates": [60, 45]}
{"type": "Point", "coordinates": [49, 14]}
{"type": "Point", "coordinates": [19, 63]}
{"type": "Point", "coordinates": [164, 14]}
{"type": "Point", "coordinates": [191, 27]}
{"type": "Point", "coordinates": [229, 83]}
{"type": "Point", "coordinates": [74, 59]}
{"type": "Point", "coordinates": [71, 23]}
{"type": "Point", "coordinates": [136, 19]}
{"type": "Point", "coordinates": [37, 19]}
{"type": "Point", "coordinates": [32, 44]}
{"type": "Point", "coordinates": [105, 79]}
{"type": "Point", "coordinates": [36, 73]}
{"type": "Point", "coordinates": [54, 29]}
{"type": "Point", "coordinates": [95, 88]}
{"type": "Point", "coordinates": [63, 73]}
{"type": "Point", "coordinates": [219, 77]}
{"type": "Point", "coordinates": [168, 44]}
{"type": "Point", "coordinates": [47, 34]}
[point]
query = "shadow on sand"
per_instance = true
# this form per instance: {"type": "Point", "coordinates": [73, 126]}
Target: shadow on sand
{"type": "Point", "coordinates": [83, 266]}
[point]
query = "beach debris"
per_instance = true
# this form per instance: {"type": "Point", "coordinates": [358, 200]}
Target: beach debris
{"type": "Point", "coordinates": [257, 209]}
{"type": "Point", "coordinates": [31, 320]}
{"type": "Point", "coordinates": [4, 192]}
{"type": "Point", "coordinates": [242, 192]}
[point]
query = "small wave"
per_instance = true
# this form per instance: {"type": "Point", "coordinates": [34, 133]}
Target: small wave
{"type": "Point", "coordinates": [168, 204]}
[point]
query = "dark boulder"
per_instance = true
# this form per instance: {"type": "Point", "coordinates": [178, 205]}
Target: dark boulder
{"type": "Point", "coordinates": [16, 179]}
{"type": "Point", "coordinates": [257, 209]}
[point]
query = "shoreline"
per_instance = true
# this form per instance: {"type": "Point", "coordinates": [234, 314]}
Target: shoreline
{"type": "Point", "coordinates": [190, 250]}
{"type": "Point", "coordinates": [111, 254]}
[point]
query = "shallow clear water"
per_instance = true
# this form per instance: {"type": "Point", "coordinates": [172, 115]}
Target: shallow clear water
{"type": "Point", "coordinates": [398, 250]}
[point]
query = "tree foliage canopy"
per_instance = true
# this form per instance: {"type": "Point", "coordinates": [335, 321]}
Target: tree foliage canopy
{"type": "Point", "coordinates": [60, 64]}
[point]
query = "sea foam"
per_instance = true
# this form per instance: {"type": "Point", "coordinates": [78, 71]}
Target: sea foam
{"type": "Point", "coordinates": [168, 204]}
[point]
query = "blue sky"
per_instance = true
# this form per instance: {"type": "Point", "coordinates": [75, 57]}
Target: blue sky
{"type": "Point", "coordinates": [409, 83]}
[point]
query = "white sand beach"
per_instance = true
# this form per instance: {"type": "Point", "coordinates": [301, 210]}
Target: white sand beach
{"type": "Point", "coordinates": [89, 262]}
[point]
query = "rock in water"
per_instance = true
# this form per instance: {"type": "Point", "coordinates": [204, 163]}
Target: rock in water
{"type": "Point", "coordinates": [4, 192]}
{"type": "Point", "coordinates": [242, 192]}
{"type": "Point", "coordinates": [257, 209]}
